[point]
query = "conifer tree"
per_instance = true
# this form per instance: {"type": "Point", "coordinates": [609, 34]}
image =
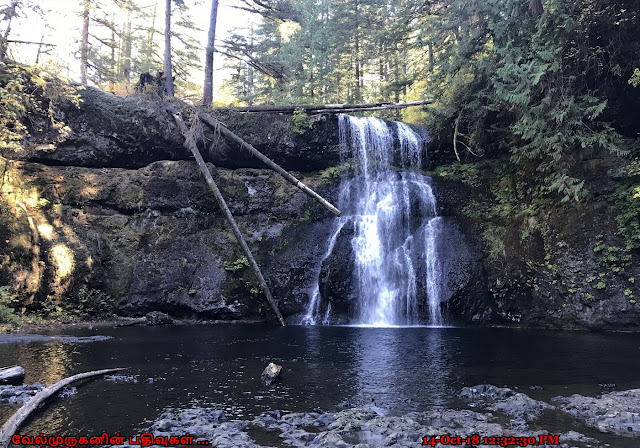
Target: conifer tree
{"type": "Point", "coordinates": [208, 66]}
{"type": "Point", "coordinates": [168, 67]}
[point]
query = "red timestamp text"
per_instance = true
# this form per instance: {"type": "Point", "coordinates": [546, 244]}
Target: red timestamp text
{"type": "Point", "coordinates": [503, 441]}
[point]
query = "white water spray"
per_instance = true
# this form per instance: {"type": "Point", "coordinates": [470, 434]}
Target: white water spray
{"type": "Point", "coordinates": [393, 214]}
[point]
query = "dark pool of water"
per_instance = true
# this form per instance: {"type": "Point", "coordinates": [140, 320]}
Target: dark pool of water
{"type": "Point", "coordinates": [398, 369]}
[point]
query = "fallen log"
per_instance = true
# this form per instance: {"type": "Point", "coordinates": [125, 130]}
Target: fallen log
{"type": "Point", "coordinates": [13, 424]}
{"type": "Point", "coordinates": [191, 144]}
{"type": "Point", "coordinates": [13, 375]}
{"type": "Point", "coordinates": [215, 124]}
{"type": "Point", "coordinates": [329, 108]}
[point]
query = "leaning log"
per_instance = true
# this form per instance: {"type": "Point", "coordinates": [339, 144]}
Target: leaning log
{"type": "Point", "coordinates": [215, 124]}
{"type": "Point", "coordinates": [191, 144]}
{"type": "Point", "coordinates": [13, 424]}
{"type": "Point", "coordinates": [13, 375]}
{"type": "Point", "coordinates": [329, 108]}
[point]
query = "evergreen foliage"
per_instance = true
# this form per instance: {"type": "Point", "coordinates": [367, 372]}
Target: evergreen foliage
{"type": "Point", "coordinates": [547, 82]}
{"type": "Point", "coordinates": [540, 85]}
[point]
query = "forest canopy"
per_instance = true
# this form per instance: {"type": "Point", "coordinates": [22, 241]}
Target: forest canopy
{"type": "Point", "coordinates": [540, 80]}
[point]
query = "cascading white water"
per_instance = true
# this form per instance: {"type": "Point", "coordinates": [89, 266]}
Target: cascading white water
{"type": "Point", "coordinates": [395, 227]}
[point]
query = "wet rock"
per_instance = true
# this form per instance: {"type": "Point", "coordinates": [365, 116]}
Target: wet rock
{"type": "Point", "coordinates": [505, 400]}
{"type": "Point", "coordinates": [19, 394]}
{"type": "Point", "coordinates": [337, 282]}
{"type": "Point", "coordinates": [573, 436]}
{"type": "Point", "coordinates": [68, 392]}
{"type": "Point", "coordinates": [159, 318]}
{"type": "Point", "coordinates": [271, 374]}
{"type": "Point", "coordinates": [486, 391]}
{"type": "Point", "coordinates": [295, 264]}
{"type": "Point", "coordinates": [132, 379]}
{"type": "Point", "coordinates": [614, 412]}
{"type": "Point", "coordinates": [357, 427]}
{"type": "Point", "coordinates": [102, 135]}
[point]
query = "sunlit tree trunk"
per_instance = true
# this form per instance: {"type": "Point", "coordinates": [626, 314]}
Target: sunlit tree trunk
{"type": "Point", "coordinates": [127, 49]}
{"type": "Point", "coordinates": [168, 70]}
{"type": "Point", "coordinates": [208, 60]}
{"type": "Point", "coordinates": [84, 45]}
{"type": "Point", "coordinates": [114, 67]}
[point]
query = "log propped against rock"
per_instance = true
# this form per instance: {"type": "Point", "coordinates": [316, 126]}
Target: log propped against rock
{"type": "Point", "coordinates": [215, 124]}
{"type": "Point", "coordinates": [191, 145]}
{"type": "Point", "coordinates": [13, 424]}
{"type": "Point", "coordinates": [329, 108]}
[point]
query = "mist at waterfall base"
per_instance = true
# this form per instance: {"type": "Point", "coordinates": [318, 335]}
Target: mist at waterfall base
{"type": "Point", "coordinates": [391, 210]}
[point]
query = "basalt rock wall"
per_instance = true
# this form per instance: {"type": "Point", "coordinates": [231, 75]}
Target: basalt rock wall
{"type": "Point", "coordinates": [112, 214]}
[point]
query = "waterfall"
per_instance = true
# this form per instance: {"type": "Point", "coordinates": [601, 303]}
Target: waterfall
{"type": "Point", "coordinates": [391, 210]}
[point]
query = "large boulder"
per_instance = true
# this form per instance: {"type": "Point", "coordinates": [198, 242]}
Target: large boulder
{"type": "Point", "coordinates": [614, 412]}
{"type": "Point", "coordinates": [110, 131]}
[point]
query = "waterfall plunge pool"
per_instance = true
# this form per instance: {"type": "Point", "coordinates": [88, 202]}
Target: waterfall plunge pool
{"type": "Point", "coordinates": [397, 369]}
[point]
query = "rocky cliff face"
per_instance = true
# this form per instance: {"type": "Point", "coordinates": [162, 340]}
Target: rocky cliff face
{"type": "Point", "coordinates": [152, 238]}
{"type": "Point", "coordinates": [112, 214]}
{"type": "Point", "coordinates": [548, 264]}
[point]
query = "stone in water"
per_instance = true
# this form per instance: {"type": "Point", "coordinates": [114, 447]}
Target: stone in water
{"type": "Point", "coordinates": [271, 374]}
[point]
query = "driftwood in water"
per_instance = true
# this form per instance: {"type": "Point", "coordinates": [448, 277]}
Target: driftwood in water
{"type": "Point", "coordinates": [12, 375]}
{"type": "Point", "coordinates": [215, 124]}
{"type": "Point", "coordinates": [12, 425]}
{"type": "Point", "coordinates": [191, 144]}
{"type": "Point", "coordinates": [330, 108]}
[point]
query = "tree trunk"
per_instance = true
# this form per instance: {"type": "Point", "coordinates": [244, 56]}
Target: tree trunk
{"type": "Point", "coordinates": [431, 62]}
{"type": "Point", "coordinates": [536, 8]}
{"type": "Point", "coordinates": [127, 50]}
{"type": "Point", "coordinates": [9, 14]}
{"type": "Point", "coordinates": [357, 50]}
{"type": "Point", "coordinates": [381, 57]}
{"type": "Point", "coordinates": [405, 70]}
{"type": "Point", "coordinates": [208, 60]}
{"type": "Point", "coordinates": [114, 66]}
{"type": "Point", "coordinates": [84, 45]}
{"type": "Point", "coordinates": [396, 74]}
{"type": "Point", "coordinates": [250, 75]}
{"type": "Point", "coordinates": [168, 70]}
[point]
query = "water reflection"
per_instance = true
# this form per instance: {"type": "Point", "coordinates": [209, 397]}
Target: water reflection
{"type": "Point", "coordinates": [390, 368]}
